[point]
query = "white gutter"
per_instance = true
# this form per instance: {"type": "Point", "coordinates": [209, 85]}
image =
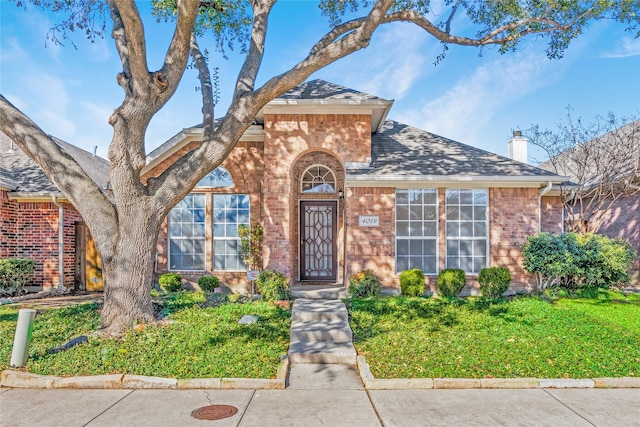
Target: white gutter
{"type": "Point", "coordinates": [542, 192]}
{"type": "Point", "coordinates": [60, 244]}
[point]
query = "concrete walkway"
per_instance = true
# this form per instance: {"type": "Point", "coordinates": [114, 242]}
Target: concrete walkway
{"type": "Point", "coordinates": [328, 406]}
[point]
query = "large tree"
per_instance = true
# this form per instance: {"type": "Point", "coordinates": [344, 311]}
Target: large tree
{"type": "Point", "coordinates": [125, 226]}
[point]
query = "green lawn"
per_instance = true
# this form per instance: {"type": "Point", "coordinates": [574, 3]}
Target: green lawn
{"type": "Point", "coordinates": [197, 342]}
{"type": "Point", "coordinates": [528, 337]}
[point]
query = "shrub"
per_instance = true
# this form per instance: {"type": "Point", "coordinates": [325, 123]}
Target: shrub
{"type": "Point", "coordinates": [364, 284]}
{"type": "Point", "coordinates": [208, 283]}
{"type": "Point", "coordinates": [273, 285]}
{"type": "Point", "coordinates": [170, 282]}
{"type": "Point", "coordinates": [412, 282]}
{"type": "Point", "coordinates": [450, 282]}
{"type": "Point", "coordinates": [576, 260]}
{"type": "Point", "coordinates": [494, 281]}
{"type": "Point", "coordinates": [15, 273]}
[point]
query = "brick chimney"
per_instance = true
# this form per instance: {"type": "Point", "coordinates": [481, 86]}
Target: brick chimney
{"type": "Point", "coordinates": [518, 147]}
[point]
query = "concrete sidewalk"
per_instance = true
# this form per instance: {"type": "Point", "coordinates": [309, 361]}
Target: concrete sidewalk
{"type": "Point", "coordinates": [323, 395]}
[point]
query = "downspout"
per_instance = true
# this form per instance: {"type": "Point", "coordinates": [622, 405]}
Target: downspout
{"type": "Point", "coordinates": [542, 192]}
{"type": "Point", "coordinates": [61, 286]}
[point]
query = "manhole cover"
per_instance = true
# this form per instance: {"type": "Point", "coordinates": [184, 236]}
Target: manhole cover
{"type": "Point", "coordinates": [214, 412]}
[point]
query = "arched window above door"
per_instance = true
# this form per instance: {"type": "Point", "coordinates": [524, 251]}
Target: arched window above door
{"type": "Point", "coordinates": [217, 178]}
{"type": "Point", "coordinates": [318, 179]}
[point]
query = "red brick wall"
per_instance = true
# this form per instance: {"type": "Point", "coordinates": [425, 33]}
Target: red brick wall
{"type": "Point", "coordinates": [551, 207]}
{"type": "Point", "coordinates": [623, 220]}
{"type": "Point", "coordinates": [513, 217]}
{"type": "Point", "coordinates": [288, 138]}
{"type": "Point", "coordinates": [245, 165]}
{"type": "Point", "coordinates": [371, 247]}
{"type": "Point", "coordinates": [8, 218]}
{"type": "Point", "coordinates": [35, 236]}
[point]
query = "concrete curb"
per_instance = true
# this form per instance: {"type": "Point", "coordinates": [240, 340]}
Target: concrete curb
{"type": "Point", "coordinates": [372, 383]}
{"type": "Point", "coordinates": [20, 379]}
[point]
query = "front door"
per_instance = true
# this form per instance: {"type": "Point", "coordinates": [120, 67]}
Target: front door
{"type": "Point", "coordinates": [318, 248]}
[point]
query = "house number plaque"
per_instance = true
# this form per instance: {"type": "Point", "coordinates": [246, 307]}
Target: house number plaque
{"type": "Point", "coordinates": [369, 221]}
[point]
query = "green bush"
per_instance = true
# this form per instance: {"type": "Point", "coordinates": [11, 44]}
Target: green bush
{"type": "Point", "coordinates": [364, 284]}
{"type": "Point", "coordinates": [273, 285]}
{"type": "Point", "coordinates": [494, 281]}
{"type": "Point", "coordinates": [412, 282]}
{"type": "Point", "coordinates": [575, 260]}
{"type": "Point", "coordinates": [170, 282]}
{"type": "Point", "coordinates": [208, 283]}
{"type": "Point", "coordinates": [15, 273]}
{"type": "Point", "coordinates": [450, 282]}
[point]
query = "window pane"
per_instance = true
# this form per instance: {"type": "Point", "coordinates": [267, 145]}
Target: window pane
{"type": "Point", "coordinates": [466, 213]}
{"type": "Point", "coordinates": [465, 247]}
{"type": "Point", "coordinates": [452, 248]}
{"type": "Point", "coordinates": [453, 229]}
{"type": "Point", "coordinates": [479, 229]}
{"type": "Point", "coordinates": [430, 197]}
{"type": "Point", "coordinates": [402, 264]}
{"type": "Point", "coordinates": [402, 247]}
{"type": "Point", "coordinates": [480, 247]}
{"type": "Point", "coordinates": [429, 247]}
{"type": "Point", "coordinates": [243, 216]}
{"type": "Point", "coordinates": [402, 228]}
{"type": "Point", "coordinates": [402, 213]}
{"type": "Point", "coordinates": [415, 229]}
{"type": "Point", "coordinates": [466, 229]}
{"type": "Point", "coordinates": [243, 201]}
{"type": "Point", "coordinates": [415, 247]}
{"type": "Point", "coordinates": [453, 213]}
{"type": "Point", "coordinates": [429, 264]}
{"type": "Point", "coordinates": [466, 197]}
{"type": "Point", "coordinates": [416, 212]}
{"type": "Point", "coordinates": [415, 262]}
{"type": "Point", "coordinates": [429, 229]}
{"type": "Point", "coordinates": [453, 262]}
{"type": "Point", "coordinates": [429, 213]}
{"type": "Point", "coordinates": [453, 197]}
{"type": "Point", "coordinates": [466, 263]}
{"type": "Point", "coordinates": [480, 213]}
{"type": "Point", "coordinates": [479, 263]}
{"type": "Point", "coordinates": [480, 197]}
{"type": "Point", "coordinates": [402, 197]}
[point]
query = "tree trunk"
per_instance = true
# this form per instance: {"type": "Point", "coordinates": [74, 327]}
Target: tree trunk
{"type": "Point", "coordinates": [128, 278]}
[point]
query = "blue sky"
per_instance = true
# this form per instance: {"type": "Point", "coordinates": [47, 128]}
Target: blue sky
{"type": "Point", "coordinates": [472, 98]}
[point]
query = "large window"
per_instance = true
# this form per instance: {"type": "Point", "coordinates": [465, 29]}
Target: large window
{"type": "Point", "coordinates": [467, 229]}
{"type": "Point", "coordinates": [229, 212]}
{"type": "Point", "coordinates": [318, 179]}
{"type": "Point", "coordinates": [186, 234]}
{"type": "Point", "coordinates": [217, 178]}
{"type": "Point", "coordinates": [417, 230]}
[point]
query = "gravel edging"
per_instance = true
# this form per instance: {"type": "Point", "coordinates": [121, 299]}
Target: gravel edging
{"type": "Point", "coordinates": [26, 380]}
{"type": "Point", "coordinates": [372, 383]}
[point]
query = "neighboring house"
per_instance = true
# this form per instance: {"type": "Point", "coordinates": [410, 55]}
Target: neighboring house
{"type": "Point", "coordinates": [39, 223]}
{"type": "Point", "coordinates": [339, 188]}
{"type": "Point", "coordinates": [604, 187]}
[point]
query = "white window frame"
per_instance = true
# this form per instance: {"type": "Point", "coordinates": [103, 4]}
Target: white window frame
{"type": "Point", "coordinates": [473, 238]}
{"type": "Point", "coordinates": [333, 175]}
{"type": "Point", "coordinates": [181, 238]}
{"type": "Point", "coordinates": [220, 169]}
{"type": "Point", "coordinates": [435, 238]}
{"type": "Point", "coordinates": [227, 238]}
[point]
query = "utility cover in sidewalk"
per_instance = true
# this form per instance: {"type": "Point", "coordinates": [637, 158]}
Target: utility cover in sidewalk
{"type": "Point", "coordinates": [214, 412]}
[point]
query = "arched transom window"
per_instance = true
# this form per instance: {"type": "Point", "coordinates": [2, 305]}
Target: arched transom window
{"type": "Point", "coordinates": [318, 179]}
{"type": "Point", "coordinates": [217, 178]}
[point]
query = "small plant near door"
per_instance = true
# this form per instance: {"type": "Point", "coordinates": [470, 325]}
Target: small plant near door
{"type": "Point", "coordinates": [364, 284]}
{"type": "Point", "coordinates": [251, 238]}
{"type": "Point", "coordinates": [15, 273]}
{"type": "Point", "coordinates": [273, 285]}
{"type": "Point", "coordinates": [208, 283]}
{"type": "Point", "coordinates": [412, 282]}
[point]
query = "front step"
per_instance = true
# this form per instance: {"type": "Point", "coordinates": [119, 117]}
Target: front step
{"type": "Point", "coordinates": [319, 330]}
{"type": "Point", "coordinates": [305, 310]}
{"type": "Point", "coordinates": [322, 352]}
{"type": "Point", "coordinates": [326, 293]}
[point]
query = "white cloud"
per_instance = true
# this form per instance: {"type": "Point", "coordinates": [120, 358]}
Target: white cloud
{"type": "Point", "coordinates": [465, 110]}
{"type": "Point", "coordinates": [56, 124]}
{"type": "Point", "coordinates": [12, 51]}
{"type": "Point", "coordinates": [397, 57]}
{"type": "Point", "coordinates": [96, 112]}
{"type": "Point", "coordinates": [629, 46]}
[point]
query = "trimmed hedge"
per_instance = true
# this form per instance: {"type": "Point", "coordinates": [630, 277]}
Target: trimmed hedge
{"type": "Point", "coordinates": [450, 282]}
{"type": "Point", "coordinates": [412, 282]}
{"type": "Point", "coordinates": [170, 282]}
{"type": "Point", "coordinates": [364, 284]}
{"type": "Point", "coordinates": [494, 281]}
{"type": "Point", "coordinates": [208, 283]}
{"type": "Point", "coordinates": [15, 273]}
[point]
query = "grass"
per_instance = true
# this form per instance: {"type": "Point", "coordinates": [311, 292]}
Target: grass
{"type": "Point", "coordinates": [528, 337]}
{"type": "Point", "coordinates": [197, 342]}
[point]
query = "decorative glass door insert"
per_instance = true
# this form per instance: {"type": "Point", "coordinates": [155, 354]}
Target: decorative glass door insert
{"type": "Point", "coordinates": [318, 249]}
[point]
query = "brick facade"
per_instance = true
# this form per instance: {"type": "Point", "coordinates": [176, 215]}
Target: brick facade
{"type": "Point", "coordinates": [30, 230]}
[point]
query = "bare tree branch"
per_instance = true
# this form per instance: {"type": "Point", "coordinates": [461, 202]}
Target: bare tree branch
{"type": "Point", "coordinates": [65, 173]}
{"type": "Point", "coordinates": [206, 88]}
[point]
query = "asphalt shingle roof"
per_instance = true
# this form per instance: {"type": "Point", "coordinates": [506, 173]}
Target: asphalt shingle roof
{"type": "Point", "coordinates": [320, 89]}
{"type": "Point", "coordinates": [402, 150]}
{"type": "Point", "coordinates": [27, 177]}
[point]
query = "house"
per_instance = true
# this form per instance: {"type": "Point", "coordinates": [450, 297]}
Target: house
{"type": "Point", "coordinates": [38, 222]}
{"type": "Point", "coordinates": [604, 187]}
{"type": "Point", "coordinates": [340, 188]}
